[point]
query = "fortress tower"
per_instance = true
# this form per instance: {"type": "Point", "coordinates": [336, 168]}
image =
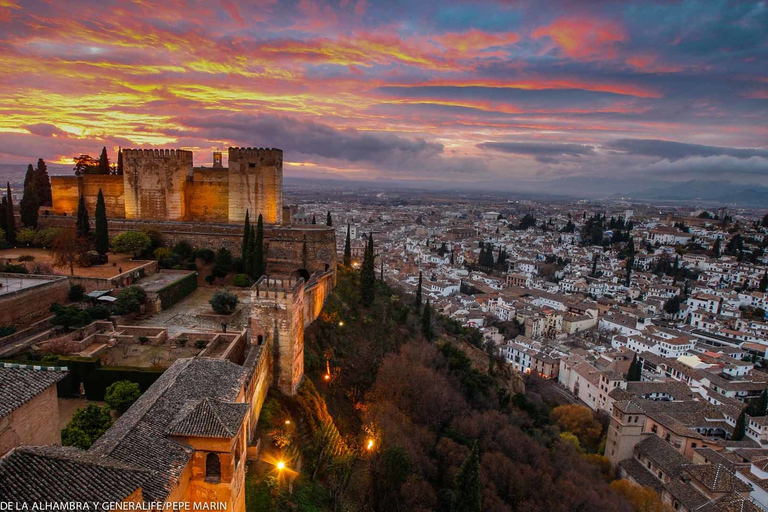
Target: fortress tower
{"type": "Point", "coordinates": [277, 322]}
{"type": "Point", "coordinates": [256, 184]}
{"type": "Point", "coordinates": [154, 183]}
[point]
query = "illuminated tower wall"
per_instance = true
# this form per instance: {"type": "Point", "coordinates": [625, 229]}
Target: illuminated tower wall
{"type": "Point", "coordinates": [256, 184]}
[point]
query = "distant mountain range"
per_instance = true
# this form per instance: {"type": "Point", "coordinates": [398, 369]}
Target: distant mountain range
{"type": "Point", "coordinates": [715, 191]}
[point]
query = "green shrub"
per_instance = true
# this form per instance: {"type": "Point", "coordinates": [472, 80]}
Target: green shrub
{"type": "Point", "coordinates": [162, 253]}
{"type": "Point", "coordinates": [26, 236]}
{"type": "Point", "coordinates": [26, 257]}
{"type": "Point", "coordinates": [143, 340]}
{"type": "Point", "coordinates": [44, 237]}
{"type": "Point", "coordinates": [224, 260]}
{"type": "Point", "coordinates": [6, 331]}
{"type": "Point", "coordinates": [14, 269]}
{"type": "Point", "coordinates": [69, 316]}
{"type": "Point", "coordinates": [183, 249]}
{"type": "Point", "coordinates": [86, 426]}
{"type": "Point", "coordinates": [76, 293]}
{"type": "Point", "coordinates": [130, 299]}
{"type": "Point", "coordinates": [121, 395]}
{"type": "Point", "coordinates": [210, 278]}
{"type": "Point", "coordinates": [131, 242]}
{"type": "Point", "coordinates": [223, 302]}
{"type": "Point", "coordinates": [242, 280]}
{"type": "Point", "coordinates": [207, 255]}
{"type": "Point", "coordinates": [99, 312]}
{"type": "Point", "coordinates": [219, 271]}
{"type": "Point", "coordinates": [190, 266]}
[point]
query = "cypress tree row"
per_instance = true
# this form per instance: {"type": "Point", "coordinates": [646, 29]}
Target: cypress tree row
{"type": "Point", "coordinates": [467, 484]}
{"type": "Point", "coordinates": [44, 195]}
{"type": "Point", "coordinates": [101, 235]}
{"type": "Point", "coordinates": [348, 249]}
{"type": "Point", "coordinates": [10, 221]}
{"type": "Point", "coordinates": [29, 201]}
{"type": "Point", "coordinates": [368, 275]}
{"type": "Point", "coordinates": [246, 235]}
{"type": "Point", "coordinates": [83, 226]}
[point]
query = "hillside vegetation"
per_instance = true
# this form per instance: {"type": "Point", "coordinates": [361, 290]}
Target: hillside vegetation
{"type": "Point", "coordinates": [446, 430]}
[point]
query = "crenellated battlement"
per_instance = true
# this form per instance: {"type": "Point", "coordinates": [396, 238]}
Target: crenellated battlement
{"type": "Point", "coordinates": [277, 288]}
{"type": "Point", "coordinates": [173, 154]}
{"type": "Point", "coordinates": [236, 154]}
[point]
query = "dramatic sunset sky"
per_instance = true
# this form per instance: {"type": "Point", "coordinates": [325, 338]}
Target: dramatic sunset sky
{"type": "Point", "coordinates": [496, 94]}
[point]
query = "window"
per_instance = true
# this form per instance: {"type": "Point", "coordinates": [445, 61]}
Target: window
{"type": "Point", "coordinates": [212, 468]}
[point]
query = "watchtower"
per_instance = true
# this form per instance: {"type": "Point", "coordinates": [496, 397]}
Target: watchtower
{"type": "Point", "coordinates": [256, 184]}
{"type": "Point", "coordinates": [277, 322]}
{"type": "Point", "coordinates": [154, 181]}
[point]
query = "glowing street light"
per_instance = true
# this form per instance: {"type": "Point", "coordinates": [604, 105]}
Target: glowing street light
{"type": "Point", "coordinates": [327, 377]}
{"type": "Point", "coordinates": [287, 422]}
{"type": "Point", "coordinates": [369, 446]}
{"type": "Point", "coordinates": [341, 324]}
{"type": "Point", "coordinates": [280, 465]}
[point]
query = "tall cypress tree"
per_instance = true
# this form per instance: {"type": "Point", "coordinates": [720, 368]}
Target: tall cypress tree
{"type": "Point", "coordinates": [635, 372]}
{"type": "Point", "coordinates": [368, 275]}
{"type": "Point", "coordinates": [3, 216]}
{"type": "Point", "coordinates": [329, 219]}
{"type": "Point", "coordinates": [29, 201]}
{"type": "Point", "coordinates": [246, 234]}
{"type": "Point", "coordinates": [417, 303]}
{"type": "Point", "coordinates": [101, 235]}
{"type": "Point", "coordinates": [630, 262]}
{"type": "Point", "coordinates": [348, 249]}
{"type": "Point", "coordinates": [83, 226]}
{"type": "Point", "coordinates": [258, 251]}
{"type": "Point", "coordinates": [426, 322]}
{"type": "Point", "coordinates": [250, 254]}
{"type": "Point", "coordinates": [314, 220]}
{"type": "Point", "coordinates": [764, 281]}
{"type": "Point", "coordinates": [44, 194]}
{"type": "Point", "coordinates": [740, 429]}
{"type": "Point", "coordinates": [716, 248]}
{"type": "Point", "coordinates": [467, 484]}
{"type": "Point", "coordinates": [120, 162]}
{"type": "Point", "coordinates": [382, 269]}
{"type": "Point", "coordinates": [104, 162]}
{"type": "Point", "coordinates": [10, 220]}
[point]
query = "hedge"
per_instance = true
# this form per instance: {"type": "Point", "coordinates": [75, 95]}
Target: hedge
{"type": "Point", "coordinates": [176, 291]}
{"type": "Point", "coordinates": [97, 382]}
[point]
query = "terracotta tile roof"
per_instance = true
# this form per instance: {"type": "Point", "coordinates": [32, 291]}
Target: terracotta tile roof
{"type": "Point", "coordinates": [19, 385]}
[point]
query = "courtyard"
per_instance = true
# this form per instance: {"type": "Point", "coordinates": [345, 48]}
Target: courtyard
{"type": "Point", "coordinates": [117, 262]}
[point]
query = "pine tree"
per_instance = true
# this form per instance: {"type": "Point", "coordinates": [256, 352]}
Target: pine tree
{"type": "Point", "coordinates": [83, 226]}
{"type": "Point", "coordinates": [10, 220]}
{"type": "Point", "coordinates": [246, 234]}
{"type": "Point", "coordinates": [258, 250]}
{"type": "Point", "coordinates": [348, 249]}
{"type": "Point", "coordinates": [29, 201]}
{"type": "Point", "coordinates": [103, 162]}
{"type": "Point", "coordinates": [764, 282]}
{"type": "Point", "coordinates": [426, 322]}
{"type": "Point", "coordinates": [417, 302]}
{"type": "Point", "coordinates": [329, 219]}
{"type": "Point", "coordinates": [368, 275]}
{"type": "Point", "coordinates": [120, 162]}
{"type": "Point", "coordinates": [740, 429]}
{"type": "Point", "coordinates": [467, 484]}
{"type": "Point", "coordinates": [101, 231]}
{"type": "Point", "coordinates": [44, 195]}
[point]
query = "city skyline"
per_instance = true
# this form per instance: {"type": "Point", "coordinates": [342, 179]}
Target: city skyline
{"type": "Point", "coordinates": [617, 96]}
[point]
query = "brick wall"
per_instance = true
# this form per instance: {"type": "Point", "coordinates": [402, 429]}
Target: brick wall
{"type": "Point", "coordinates": [34, 423]}
{"type": "Point", "coordinates": [28, 304]}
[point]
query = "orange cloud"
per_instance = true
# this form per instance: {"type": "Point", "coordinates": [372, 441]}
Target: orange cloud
{"type": "Point", "coordinates": [475, 40]}
{"type": "Point", "coordinates": [583, 39]}
{"type": "Point", "coordinates": [651, 64]}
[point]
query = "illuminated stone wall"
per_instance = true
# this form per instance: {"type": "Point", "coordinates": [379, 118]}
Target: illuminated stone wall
{"type": "Point", "coordinates": [111, 187]}
{"type": "Point", "coordinates": [207, 201]}
{"type": "Point", "coordinates": [277, 314]}
{"type": "Point", "coordinates": [155, 181]}
{"type": "Point", "coordinates": [256, 184]}
{"type": "Point", "coordinates": [65, 192]}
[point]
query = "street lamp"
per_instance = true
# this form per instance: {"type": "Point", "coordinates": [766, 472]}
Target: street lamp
{"type": "Point", "coordinates": [280, 465]}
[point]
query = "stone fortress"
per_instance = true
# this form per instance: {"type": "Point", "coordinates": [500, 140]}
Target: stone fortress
{"type": "Point", "coordinates": [164, 184]}
{"type": "Point", "coordinates": [190, 434]}
{"type": "Point", "coordinates": [162, 189]}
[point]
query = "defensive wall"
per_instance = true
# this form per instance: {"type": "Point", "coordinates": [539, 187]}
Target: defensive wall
{"type": "Point", "coordinates": [287, 249]}
{"type": "Point", "coordinates": [163, 184]}
{"type": "Point", "coordinates": [31, 300]}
